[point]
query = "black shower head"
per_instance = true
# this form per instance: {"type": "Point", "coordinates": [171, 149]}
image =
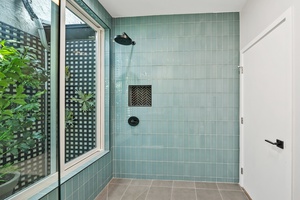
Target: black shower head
{"type": "Point", "coordinates": [124, 39]}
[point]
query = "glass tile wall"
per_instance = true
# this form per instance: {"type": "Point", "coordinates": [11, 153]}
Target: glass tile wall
{"type": "Point", "coordinates": [87, 184]}
{"type": "Point", "coordinates": [191, 130]}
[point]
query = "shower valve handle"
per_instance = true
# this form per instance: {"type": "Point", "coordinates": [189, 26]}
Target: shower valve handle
{"type": "Point", "coordinates": [278, 143]}
{"type": "Point", "coordinates": [133, 121]}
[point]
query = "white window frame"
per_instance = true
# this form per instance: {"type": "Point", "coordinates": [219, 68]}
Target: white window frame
{"type": "Point", "coordinates": [67, 168]}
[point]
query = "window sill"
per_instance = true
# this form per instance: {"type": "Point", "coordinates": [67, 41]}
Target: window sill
{"type": "Point", "coordinates": [38, 189]}
{"type": "Point", "coordinates": [87, 162]}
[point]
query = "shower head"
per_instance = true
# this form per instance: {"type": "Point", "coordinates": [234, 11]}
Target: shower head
{"type": "Point", "coordinates": [124, 39]}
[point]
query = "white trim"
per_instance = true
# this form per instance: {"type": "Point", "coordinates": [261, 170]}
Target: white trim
{"type": "Point", "coordinates": [37, 188]}
{"type": "Point", "coordinates": [101, 94]}
{"type": "Point", "coordinates": [294, 142]}
{"type": "Point", "coordinates": [287, 17]}
{"type": "Point", "coordinates": [67, 168]}
{"type": "Point", "coordinates": [62, 85]}
{"type": "Point", "coordinates": [241, 114]}
{"type": "Point", "coordinates": [81, 12]}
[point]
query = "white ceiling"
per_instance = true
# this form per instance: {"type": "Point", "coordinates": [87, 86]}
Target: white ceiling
{"type": "Point", "coordinates": [130, 8]}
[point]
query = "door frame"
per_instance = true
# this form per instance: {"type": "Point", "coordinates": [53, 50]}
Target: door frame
{"type": "Point", "coordinates": [286, 17]}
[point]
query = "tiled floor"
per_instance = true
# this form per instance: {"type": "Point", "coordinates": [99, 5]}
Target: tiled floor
{"type": "Point", "coordinates": [133, 189]}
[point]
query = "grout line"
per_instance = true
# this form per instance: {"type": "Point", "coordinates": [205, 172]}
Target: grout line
{"type": "Point", "coordinates": [219, 191]}
{"type": "Point", "coordinates": [172, 188]}
{"type": "Point", "coordinates": [126, 189]}
{"type": "Point", "coordinates": [107, 191]}
{"type": "Point", "coordinates": [149, 189]}
{"type": "Point", "coordinates": [196, 191]}
{"type": "Point", "coordinates": [103, 190]}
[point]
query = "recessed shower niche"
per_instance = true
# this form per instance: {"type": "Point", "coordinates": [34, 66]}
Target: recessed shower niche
{"type": "Point", "coordinates": [140, 95]}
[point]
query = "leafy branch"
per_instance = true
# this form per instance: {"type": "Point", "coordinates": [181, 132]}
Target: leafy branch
{"type": "Point", "coordinates": [85, 100]}
{"type": "Point", "coordinates": [20, 71]}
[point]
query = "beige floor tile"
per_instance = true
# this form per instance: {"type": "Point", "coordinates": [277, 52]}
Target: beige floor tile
{"type": "Point", "coordinates": [135, 192]}
{"type": "Point", "coordinates": [136, 189]}
{"type": "Point", "coordinates": [204, 194]}
{"type": "Point", "coordinates": [159, 193]}
{"type": "Point", "coordinates": [206, 185]}
{"type": "Point", "coordinates": [161, 183]}
{"type": "Point", "coordinates": [229, 186]}
{"type": "Point", "coordinates": [102, 195]}
{"type": "Point", "coordinates": [116, 191]}
{"type": "Point", "coordinates": [184, 194]}
{"type": "Point", "coordinates": [142, 196]}
{"type": "Point", "coordinates": [233, 195]}
{"type": "Point", "coordinates": [184, 184]}
{"type": "Point", "coordinates": [141, 182]}
{"type": "Point", "coordinates": [120, 181]}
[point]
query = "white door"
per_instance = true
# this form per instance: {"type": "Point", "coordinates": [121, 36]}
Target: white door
{"type": "Point", "coordinates": [266, 108]}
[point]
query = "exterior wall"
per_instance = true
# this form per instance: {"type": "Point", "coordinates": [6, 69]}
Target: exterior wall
{"type": "Point", "coordinates": [15, 14]}
{"type": "Point", "coordinates": [255, 17]}
{"type": "Point", "coordinates": [191, 130]}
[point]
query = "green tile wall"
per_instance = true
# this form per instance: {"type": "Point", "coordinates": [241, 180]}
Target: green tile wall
{"type": "Point", "coordinates": [87, 184]}
{"type": "Point", "coordinates": [53, 195]}
{"type": "Point", "coordinates": [191, 130]}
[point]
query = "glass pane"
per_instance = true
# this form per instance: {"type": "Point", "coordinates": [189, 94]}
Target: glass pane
{"type": "Point", "coordinates": [80, 132]}
{"type": "Point", "coordinates": [28, 93]}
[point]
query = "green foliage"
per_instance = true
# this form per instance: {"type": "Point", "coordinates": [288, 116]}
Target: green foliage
{"type": "Point", "coordinates": [86, 100]}
{"type": "Point", "coordinates": [69, 121]}
{"type": "Point", "coordinates": [19, 71]}
{"type": "Point", "coordinates": [67, 73]}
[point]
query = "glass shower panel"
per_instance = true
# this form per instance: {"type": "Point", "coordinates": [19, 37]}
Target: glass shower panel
{"type": "Point", "coordinates": [28, 94]}
{"type": "Point", "coordinates": [80, 87]}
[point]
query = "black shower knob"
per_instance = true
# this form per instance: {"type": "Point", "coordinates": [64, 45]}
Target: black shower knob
{"type": "Point", "coordinates": [133, 121]}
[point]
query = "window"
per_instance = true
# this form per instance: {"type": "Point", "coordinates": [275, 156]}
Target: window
{"type": "Point", "coordinates": [81, 126]}
{"type": "Point", "coordinates": [28, 126]}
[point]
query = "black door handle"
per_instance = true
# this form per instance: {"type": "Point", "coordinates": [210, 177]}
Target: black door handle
{"type": "Point", "coordinates": [278, 143]}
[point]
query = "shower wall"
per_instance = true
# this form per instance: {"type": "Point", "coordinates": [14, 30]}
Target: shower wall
{"type": "Point", "coordinates": [191, 131]}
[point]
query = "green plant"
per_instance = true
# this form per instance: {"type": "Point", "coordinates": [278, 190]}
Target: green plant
{"type": "Point", "coordinates": [68, 73]}
{"type": "Point", "coordinates": [5, 172]}
{"type": "Point", "coordinates": [20, 71]}
{"type": "Point", "coordinates": [86, 100]}
{"type": "Point", "coordinates": [69, 121]}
